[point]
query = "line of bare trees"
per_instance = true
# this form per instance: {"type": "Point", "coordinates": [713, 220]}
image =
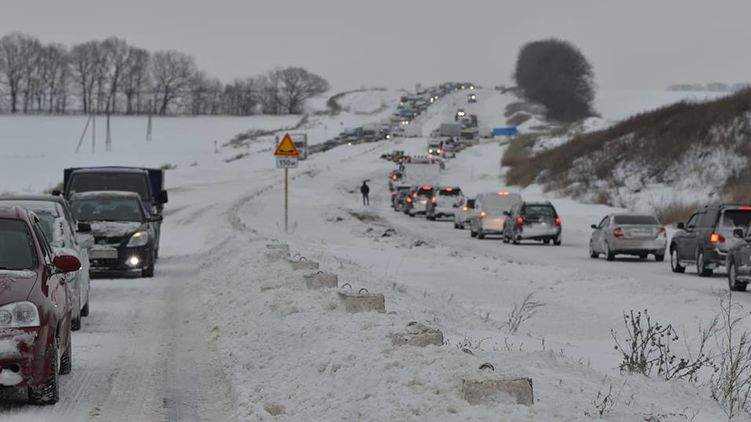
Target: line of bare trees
{"type": "Point", "coordinates": [111, 76]}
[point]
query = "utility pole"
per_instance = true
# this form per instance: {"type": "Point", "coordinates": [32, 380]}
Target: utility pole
{"type": "Point", "coordinates": [93, 133]}
{"type": "Point", "coordinates": [148, 126]}
{"type": "Point", "coordinates": [108, 140]}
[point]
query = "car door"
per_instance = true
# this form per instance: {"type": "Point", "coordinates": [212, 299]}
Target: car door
{"type": "Point", "coordinates": [598, 236]}
{"type": "Point", "coordinates": [57, 289]}
{"type": "Point", "coordinates": [686, 242]}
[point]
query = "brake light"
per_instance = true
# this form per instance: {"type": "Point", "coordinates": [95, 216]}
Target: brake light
{"type": "Point", "coordinates": [409, 200]}
{"type": "Point", "coordinates": [716, 238]}
{"type": "Point", "coordinates": [393, 177]}
{"type": "Point", "coordinates": [449, 189]}
{"type": "Point", "coordinates": [466, 209]}
{"type": "Point", "coordinates": [558, 221]}
{"type": "Point", "coordinates": [503, 193]}
{"type": "Point", "coordinates": [483, 214]}
{"type": "Point", "coordinates": [434, 200]}
{"type": "Point", "coordinates": [520, 220]}
{"type": "Point", "coordinates": [427, 188]}
{"type": "Point", "coordinates": [618, 232]}
{"type": "Point", "coordinates": [414, 195]}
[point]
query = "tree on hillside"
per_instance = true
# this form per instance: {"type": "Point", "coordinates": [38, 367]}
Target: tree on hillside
{"type": "Point", "coordinates": [556, 74]}
{"type": "Point", "coordinates": [299, 85]}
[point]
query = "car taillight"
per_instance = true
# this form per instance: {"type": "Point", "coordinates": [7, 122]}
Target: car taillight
{"type": "Point", "coordinates": [716, 238]}
{"type": "Point", "coordinates": [558, 221]}
{"type": "Point", "coordinates": [409, 200]}
{"type": "Point", "coordinates": [434, 200]}
{"type": "Point", "coordinates": [414, 195]}
{"type": "Point", "coordinates": [520, 220]}
{"type": "Point", "coordinates": [618, 232]}
{"type": "Point", "coordinates": [483, 214]}
{"type": "Point", "coordinates": [466, 209]}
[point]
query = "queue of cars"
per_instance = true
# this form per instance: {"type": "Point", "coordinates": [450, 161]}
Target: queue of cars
{"type": "Point", "coordinates": [106, 219]}
{"type": "Point", "coordinates": [715, 236]}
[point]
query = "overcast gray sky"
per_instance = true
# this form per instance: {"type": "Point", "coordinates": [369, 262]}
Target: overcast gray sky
{"type": "Point", "coordinates": [632, 44]}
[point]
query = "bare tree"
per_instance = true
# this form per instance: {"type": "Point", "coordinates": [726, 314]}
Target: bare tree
{"type": "Point", "coordinates": [87, 63]}
{"type": "Point", "coordinates": [14, 63]}
{"type": "Point", "coordinates": [172, 72]}
{"type": "Point", "coordinates": [118, 54]}
{"type": "Point", "coordinates": [299, 85]}
{"type": "Point", "coordinates": [270, 92]}
{"type": "Point", "coordinates": [135, 78]}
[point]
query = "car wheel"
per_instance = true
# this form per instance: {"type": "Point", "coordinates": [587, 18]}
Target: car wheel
{"type": "Point", "coordinates": [643, 255]}
{"type": "Point", "coordinates": [148, 272]}
{"type": "Point", "coordinates": [506, 239]}
{"type": "Point", "coordinates": [66, 360]}
{"type": "Point", "coordinates": [610, 254]}
{"type": "Point", "coordinates": [49, 392]}
{"type": "Point", "coordinates": [460, 226]}
{"type": "Point", "coordinates": [735, 285]}
{"type": "Point", "coordinates": [480, 234]}
{"type": "Point", "coordinates": [592, 253]}
{"type": "Point", "coordinates": [557, 241]}
{"type": "Point", "coordinates": [75, 323]}
{"type": "Point", "coordinates": [85, 309]}
{"type": "Point", "coordinates": [659, 257]}
{"type": "Point", "coordinates": [675, 263]}
{"type": "Point", "coordinates": [431, 217]}
{"type": "Point", "coordinates": [701, 267]}
{"type": "Point", "coordinates": [410, 214]}
{"type": "Point", "coordinates": [514, 238]}
{"type": "Point", "coordinates": [472, 233]}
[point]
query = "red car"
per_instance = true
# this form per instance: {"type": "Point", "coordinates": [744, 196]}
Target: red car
{"type": "Point", "coordinates": [35, 310]}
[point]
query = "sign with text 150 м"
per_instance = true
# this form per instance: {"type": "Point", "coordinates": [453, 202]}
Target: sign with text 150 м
{"type": "Point", "coordinates": [286, 153]}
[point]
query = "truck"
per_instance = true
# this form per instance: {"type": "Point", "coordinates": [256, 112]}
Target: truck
{"type": "Point", "coordinates": [148, 183]}
{"type": "Point", "coordinates": [450, 129]}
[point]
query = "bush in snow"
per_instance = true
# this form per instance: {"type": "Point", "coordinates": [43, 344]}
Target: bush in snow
{"type": "Point", "coordinates": [521, 313]}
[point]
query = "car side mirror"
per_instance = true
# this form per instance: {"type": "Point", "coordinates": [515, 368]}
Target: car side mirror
{"type": "Point", "coordinates": [66, 264]}
{"type": "Point", "coordinates": [681, 226]}
{"type": "Point", "coordinates": [84, 228]}
{"type": "Point", "coordinates": [56, 192]}
{"type": "Point", "coordinates": [594, 226]}
{"type": "Point", "coordinates": [163, 198]}
{"type": "Point", "coordinates": [738, 233]}
{"type": "Point", "coordinates": [156, 218]}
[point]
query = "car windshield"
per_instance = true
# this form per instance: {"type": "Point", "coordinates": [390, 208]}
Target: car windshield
{"type": "Point", "coordinates": [87, 182]}
{"type": "Point", "coordinates": [16, 246]}
{"type": "Point", "coordinates": [107, 209]}
{"type": "Point", "coordinates": [732, 219]}
{"type": "Point", "coordinates": [643, 220]}
{"type": "Point", "coordinates": [541, 210]}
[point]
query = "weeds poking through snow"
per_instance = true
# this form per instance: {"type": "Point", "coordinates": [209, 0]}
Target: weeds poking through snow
{"type": "Point", "coordinates": [604, 403]}
{"type": "Point", "coordinates": [469, 345]}
{"type": "Point", "coordinates": [521, 313]}
{"type": "Point", "coordinates": [649, 346]}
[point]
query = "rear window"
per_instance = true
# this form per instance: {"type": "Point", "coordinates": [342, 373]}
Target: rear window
{"type": "Point", "coordinates": [499, 203]}
{"type": "Point", "coordinates": [450, 192]}
{"type": "Point", "coordinates": [636, 220]}
{"type": "Point", "coordinates": [736, 219]}
{"type": "Point", "coordinates": [425, 191]}
{"type": "Point", "coordinates": [542, 210]}
{"type": "Point", "coordinates": [16, 246]}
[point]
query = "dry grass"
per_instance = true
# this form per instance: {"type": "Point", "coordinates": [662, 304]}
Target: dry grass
{"type": "Point", "coordinates": [676, 212]}
{"type": "Point", "coordinates": [517, 119]}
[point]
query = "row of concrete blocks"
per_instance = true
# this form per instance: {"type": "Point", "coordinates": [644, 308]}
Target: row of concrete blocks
{"type": "Point", "coordinates": [486, 391]}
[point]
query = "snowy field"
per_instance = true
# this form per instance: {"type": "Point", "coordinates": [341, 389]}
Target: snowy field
{"type": "Point", "coordinates": [225, 333]}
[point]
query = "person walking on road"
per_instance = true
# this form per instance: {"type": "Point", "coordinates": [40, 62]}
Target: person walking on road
{"type": "Point", "coordinates": [365, 191]}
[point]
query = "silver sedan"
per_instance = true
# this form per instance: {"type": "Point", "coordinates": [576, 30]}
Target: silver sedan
{"type": "Point", "coordinates": [628, 234]}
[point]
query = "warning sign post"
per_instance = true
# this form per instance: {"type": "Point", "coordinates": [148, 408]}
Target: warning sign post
{"type": "Point", "coordinates": [286, 157]}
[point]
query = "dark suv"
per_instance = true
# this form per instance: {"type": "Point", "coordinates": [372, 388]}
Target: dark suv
{"type": "Point", "coordinates": [705, 239]}
{"type": "Point", "coordinates": [533, 221]}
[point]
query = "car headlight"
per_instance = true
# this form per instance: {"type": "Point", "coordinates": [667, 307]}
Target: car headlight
{"type": "Point", "coordinates": [19, 315]}
{"type": "Point", "coordinates": [139, 239]}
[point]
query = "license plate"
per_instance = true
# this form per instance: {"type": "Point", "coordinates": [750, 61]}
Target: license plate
{"type": "Point", "coordinates": [103, 253]}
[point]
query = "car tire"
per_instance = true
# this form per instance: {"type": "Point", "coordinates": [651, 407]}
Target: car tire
{"type": "Point", "coordinates": [480, 234]}
{"type": "Point", "coordinates": [49, 392]}
{"type": "Point", "coordinates": [733, 282]}
{"type": "Point", "coordinates": [410, 214]}
{"type": "Point", "coordinates": [75, 323]}
{"type": "Point", "coordinates": [592, 253]}
{"type": "Point", "coordinates": [643, 255]}
{"type": "Point", "coordinates": [148, 272]}
{"type": "Point", "coordinates": [66, 360]}
{"type": "Point", "coordinates": [431, 217]}
{"type": "Point", "coordinates": [610, 255]}
{"type": "Point", "coordinates": [460, 226]}
{"type": "Point", "coordinates": [659, 257]}
{"type": "Point", "coordinates": [506, 239]}
{"type": "Point", "coordinates": [514, 239]}
{"type": "Point", "coordinates": [701, 268]}
{"type": "Point", "coordinates": [557, 241]}
{"type": "Point", "coordinates": [85, 309]}
{"type": "Point", "coordinates": [472, 233]}
{"type": "Point", "coordinates": [675, 263]}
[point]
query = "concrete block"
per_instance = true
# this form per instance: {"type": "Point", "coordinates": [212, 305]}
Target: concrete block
{"type": "Point", "coordinates": [321, 280]}
{"type": "Point", "coordinates": [362, 301]}
{"type": "Point", "coordinates": [276, 255]}
{"type": "Point", "coordinates": [418, 335]}
{"type": "Point", "coordinates": [302, 264]}
{"type": "Point", "coordinates": [495, 391]}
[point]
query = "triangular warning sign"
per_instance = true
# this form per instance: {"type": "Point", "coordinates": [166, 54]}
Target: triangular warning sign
{"type": "Point", "coordinates": [286, 148]}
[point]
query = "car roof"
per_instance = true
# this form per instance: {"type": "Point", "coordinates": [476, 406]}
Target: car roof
{"type": "Point", "coordinates": [109, 169]}
{"type": "Point", "coordinates": [35, 197]}
{"type": "Point", "coordinates": [14, 213]}
{"type": "Point", "coordinates": [105, 194]}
